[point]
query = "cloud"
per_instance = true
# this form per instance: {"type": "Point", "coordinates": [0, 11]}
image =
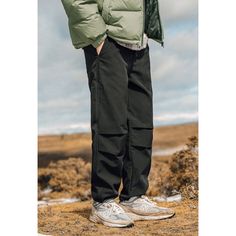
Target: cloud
{"type": "Point", "coordinates": [173, 117]}
{"type": "Point", "coordinates": [56, 54]}
{"type": "Point", "coordinates": [63, 84]}
{"type": "Point", "coordinates": [178, 12]}
{"type": "Point", "coordinates": [174, 72]}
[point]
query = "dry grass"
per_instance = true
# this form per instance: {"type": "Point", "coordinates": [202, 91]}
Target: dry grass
{"type": "Point", "coordinates": [72, 220]}
{"type": "Point", "coordinates": [70, 177]}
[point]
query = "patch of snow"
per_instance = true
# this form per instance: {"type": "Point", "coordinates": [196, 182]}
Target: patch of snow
{"type": "Point", "coordinates": [57, 201]}
{"type": "Point", "coordinates": [174, 198]}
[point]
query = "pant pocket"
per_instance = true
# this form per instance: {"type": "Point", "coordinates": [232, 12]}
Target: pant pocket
{"type": "Point", "coordinates": [112, 144]}
{"type": "Point", "coordinates": [141, 137]}
{"type": "Point", "coordinates": [93, 104]}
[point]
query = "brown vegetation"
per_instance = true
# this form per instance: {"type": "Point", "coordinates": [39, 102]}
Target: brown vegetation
{"type": "Point", "coordinates": [72, 220]}
{"type": "Point", "coordinates": [70, 178]}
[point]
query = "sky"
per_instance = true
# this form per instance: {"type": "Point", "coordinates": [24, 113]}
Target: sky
{"type": "Point", "coordinates": [63, 94]}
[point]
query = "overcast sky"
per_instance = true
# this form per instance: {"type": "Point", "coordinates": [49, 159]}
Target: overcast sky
{"type": "Point", "coordinates": [63, 90]}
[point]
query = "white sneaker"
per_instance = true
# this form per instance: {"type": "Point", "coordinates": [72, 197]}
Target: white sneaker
{"type": "Point", "coordinates": [142, 208]}
{"type": "Point", "coordinates": [110, 214]}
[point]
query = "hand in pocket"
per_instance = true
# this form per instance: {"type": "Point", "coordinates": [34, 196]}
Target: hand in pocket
{"type": "Point", "coordinates": [99, 48]}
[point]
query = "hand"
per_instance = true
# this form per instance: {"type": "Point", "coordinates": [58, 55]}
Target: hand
{"type": "Point", "coordinates": [99, 48]}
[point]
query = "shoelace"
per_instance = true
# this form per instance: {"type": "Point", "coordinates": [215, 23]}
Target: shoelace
{"type": "Point", "coordinates": [145, 198]}
{"type": "Point", "coordinates": [112, 205]}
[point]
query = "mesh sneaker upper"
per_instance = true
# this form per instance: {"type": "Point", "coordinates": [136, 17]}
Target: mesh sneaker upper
{"type": "Point", "coordinates": [143, 205]}
{"type": "Point", "coordinates": [109, 209]}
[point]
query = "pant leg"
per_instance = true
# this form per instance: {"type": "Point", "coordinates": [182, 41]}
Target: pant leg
{"type": "Point", "coordinates": [108, 83]}
{"type": "Point", "coordinates": [137, 162]}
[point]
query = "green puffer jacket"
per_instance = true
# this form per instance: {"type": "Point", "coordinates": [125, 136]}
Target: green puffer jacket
{"type": "Point", "coordinates": [91, 21]}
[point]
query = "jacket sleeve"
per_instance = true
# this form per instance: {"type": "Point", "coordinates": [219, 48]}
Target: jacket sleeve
{"type": "Point", "coordinates": [85, 20]}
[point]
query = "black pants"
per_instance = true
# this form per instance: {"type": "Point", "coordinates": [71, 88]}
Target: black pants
{"type": "Point", "coordinates": [121, 120]}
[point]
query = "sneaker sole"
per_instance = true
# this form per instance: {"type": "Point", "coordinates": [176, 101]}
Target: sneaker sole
{"type": "Point", "coordinates": [96, 219]}
{"type": "Point", "coordinates": [136, 217]}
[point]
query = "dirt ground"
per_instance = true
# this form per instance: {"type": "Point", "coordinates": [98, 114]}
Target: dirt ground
{"type": "Point", "coordinates": [72, 220]}
{"type": "Point", "coordinates": [69, 177]}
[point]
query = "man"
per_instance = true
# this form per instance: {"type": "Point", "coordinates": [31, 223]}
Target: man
{"type": "Point", "coordinates": [114, 36]}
